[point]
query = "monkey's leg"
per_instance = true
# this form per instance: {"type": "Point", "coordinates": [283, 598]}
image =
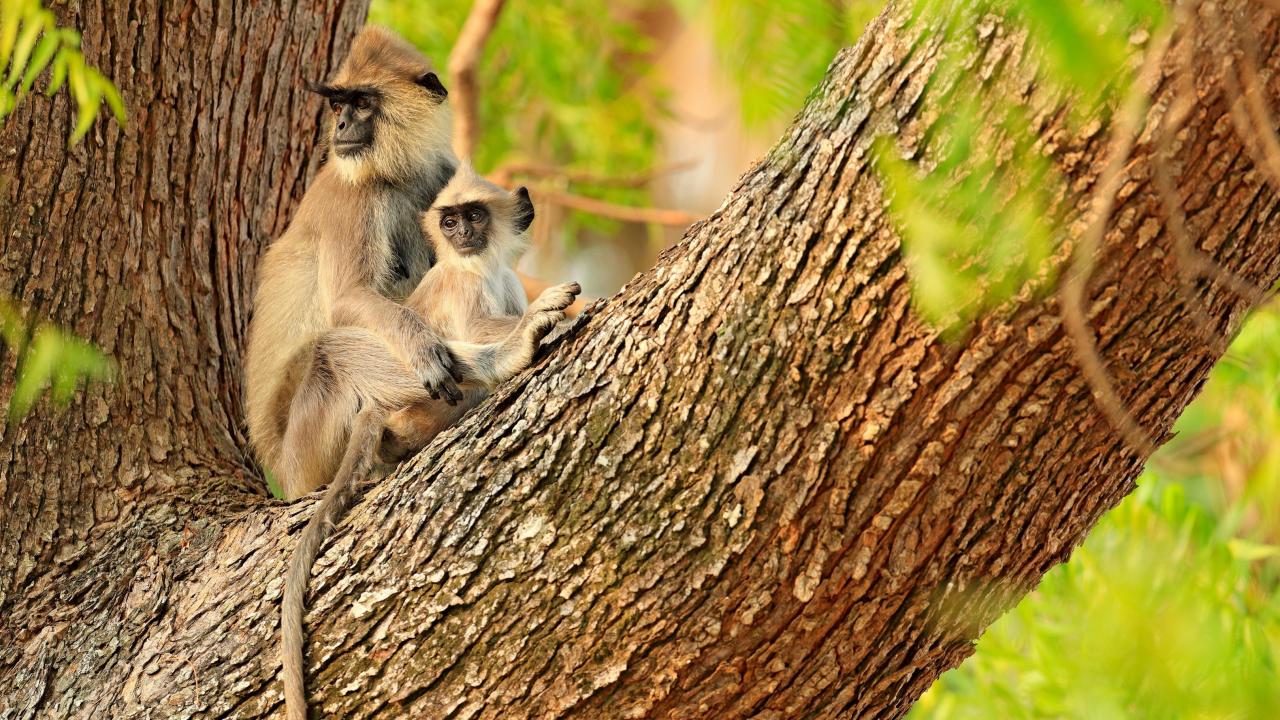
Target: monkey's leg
{"type": "Point", "coordinates": [320, 419]}
{"type": "Point", "coordinates": [351, 368]}
{"type": "Point", "coordinates": [412, 428]}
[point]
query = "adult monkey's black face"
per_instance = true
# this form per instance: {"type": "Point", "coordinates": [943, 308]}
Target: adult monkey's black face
{"type": "Point", "coordinates": [466, 227]}
{"type": "Point", "coordinates": [354, 110]}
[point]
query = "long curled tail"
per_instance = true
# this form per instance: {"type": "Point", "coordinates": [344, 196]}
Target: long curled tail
{"type": "Point", "coordinates": [356, 461]}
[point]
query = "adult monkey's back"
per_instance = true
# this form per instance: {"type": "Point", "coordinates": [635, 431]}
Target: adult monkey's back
{"type": "Point", "coordinates": [330, 345]}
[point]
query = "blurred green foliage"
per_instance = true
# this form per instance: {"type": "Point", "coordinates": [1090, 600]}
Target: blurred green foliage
{"type": "Point", "coordinates": [982, 221]}
{"type": "Point", "coordinates": [1170, 609]}
{"type": "Point", "coordinates": [979, 218]}
{"type": "Point", "coordinates": [572, 84]}
{"type": "Point", "coordinates": [47, 359]}
{"type": "Point", "coordinates": [30, 43]}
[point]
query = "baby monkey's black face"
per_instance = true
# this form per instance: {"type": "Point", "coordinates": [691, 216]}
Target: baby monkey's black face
{"type": "Point", "coordinates": [466, 227]}
{"type": "Point", "coordinates": [470, 227]}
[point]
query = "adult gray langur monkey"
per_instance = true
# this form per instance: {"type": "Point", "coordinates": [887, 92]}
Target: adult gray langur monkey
{"type": "Point", "coordinates": [351, 254]}
{"type": "Point", "coordinates": [331, 345]}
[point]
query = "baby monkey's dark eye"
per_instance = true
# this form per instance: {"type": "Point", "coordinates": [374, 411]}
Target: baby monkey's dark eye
{"type": "Point", "coordinates": [450, 223]}
{"type": "Point", "coordinates": [475, 216]}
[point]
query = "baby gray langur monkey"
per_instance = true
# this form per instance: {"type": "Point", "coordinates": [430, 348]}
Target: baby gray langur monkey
{"type": "Point", "coordinates": [472, 298]}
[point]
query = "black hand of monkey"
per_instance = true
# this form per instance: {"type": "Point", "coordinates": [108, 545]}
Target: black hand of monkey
{"type": "Point", "coordinates": [434, 367]}
{"type": "Point", "coordinates": [447, 387]}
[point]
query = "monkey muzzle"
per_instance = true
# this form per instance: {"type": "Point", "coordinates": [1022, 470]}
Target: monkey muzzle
{"type": "Point", "coordinates": [351, 135]}
{"type": "Point", "coordinates": [469, 242]}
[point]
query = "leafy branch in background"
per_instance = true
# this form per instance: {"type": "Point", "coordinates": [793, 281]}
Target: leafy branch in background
{"type": "Point", "coordinates": [981, 222]}
{"type": "Point", "coordinates": [30, 43]}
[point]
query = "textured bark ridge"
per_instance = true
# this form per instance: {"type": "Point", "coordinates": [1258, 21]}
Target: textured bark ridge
{"type": "Point", "coordinates": [752, 484]}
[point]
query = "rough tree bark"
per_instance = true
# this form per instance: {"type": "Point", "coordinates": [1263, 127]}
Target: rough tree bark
{"type": "Point", "coordinates": [752, 484]}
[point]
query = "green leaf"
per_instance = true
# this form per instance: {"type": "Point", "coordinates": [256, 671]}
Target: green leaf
{"type": "Point", "coordinates": [58, 74]}
{"type": "Point", "coordinates": [114, 101]}
{"type": "Point", "coordinates": [40, 59]}
{"type": "Point", "coordinates": [34, 375]}
{"type": "Point", "coordinates": [273, 485]}
{"type": "Point", "coordinates": [56, 360]}
{"type": "Point", "coordinates": [86, 99]}
{"type": "Point", "coordinates": [35, 25]}
{"type": "Point", "coordinates": [78, 361]}
{"type": "Point", "coordinates": [11, 12]}
{"type": "Point", "coordinates": [13, 329]}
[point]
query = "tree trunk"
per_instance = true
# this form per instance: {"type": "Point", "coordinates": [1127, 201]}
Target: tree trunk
{"type": "Point", "coordinates": [753, 484]}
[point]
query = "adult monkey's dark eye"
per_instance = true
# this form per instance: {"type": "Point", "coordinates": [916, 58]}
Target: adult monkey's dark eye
{"type": "Point", "coordinates": [335, 105]}
{"type": "Point", "coordinates": [362, 103]}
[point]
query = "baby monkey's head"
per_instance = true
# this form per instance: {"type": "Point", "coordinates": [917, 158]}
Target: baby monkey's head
{"type": "Point", "coordinates": [473, 219]}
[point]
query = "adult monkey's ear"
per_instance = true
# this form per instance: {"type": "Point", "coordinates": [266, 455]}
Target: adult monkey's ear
{"type": "Point", "coordinates": [433, 85]}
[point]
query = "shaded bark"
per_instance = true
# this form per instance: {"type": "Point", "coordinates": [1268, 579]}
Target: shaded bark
{"type": "Point", "coordinates": [752, 484]}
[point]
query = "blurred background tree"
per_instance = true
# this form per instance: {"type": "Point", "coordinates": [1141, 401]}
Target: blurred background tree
{"type": "Point", "coordinates": [647, 102]}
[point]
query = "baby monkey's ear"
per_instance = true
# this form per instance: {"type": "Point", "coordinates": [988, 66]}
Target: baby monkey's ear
{"type": "Point", "coordinates": [522, 215]}
{"type": "Point", "coordinates": [433, 85]}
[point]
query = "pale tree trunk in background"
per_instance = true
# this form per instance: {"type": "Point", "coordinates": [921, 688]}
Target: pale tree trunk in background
{"type": "Point", "coordinates": [752, 485]}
